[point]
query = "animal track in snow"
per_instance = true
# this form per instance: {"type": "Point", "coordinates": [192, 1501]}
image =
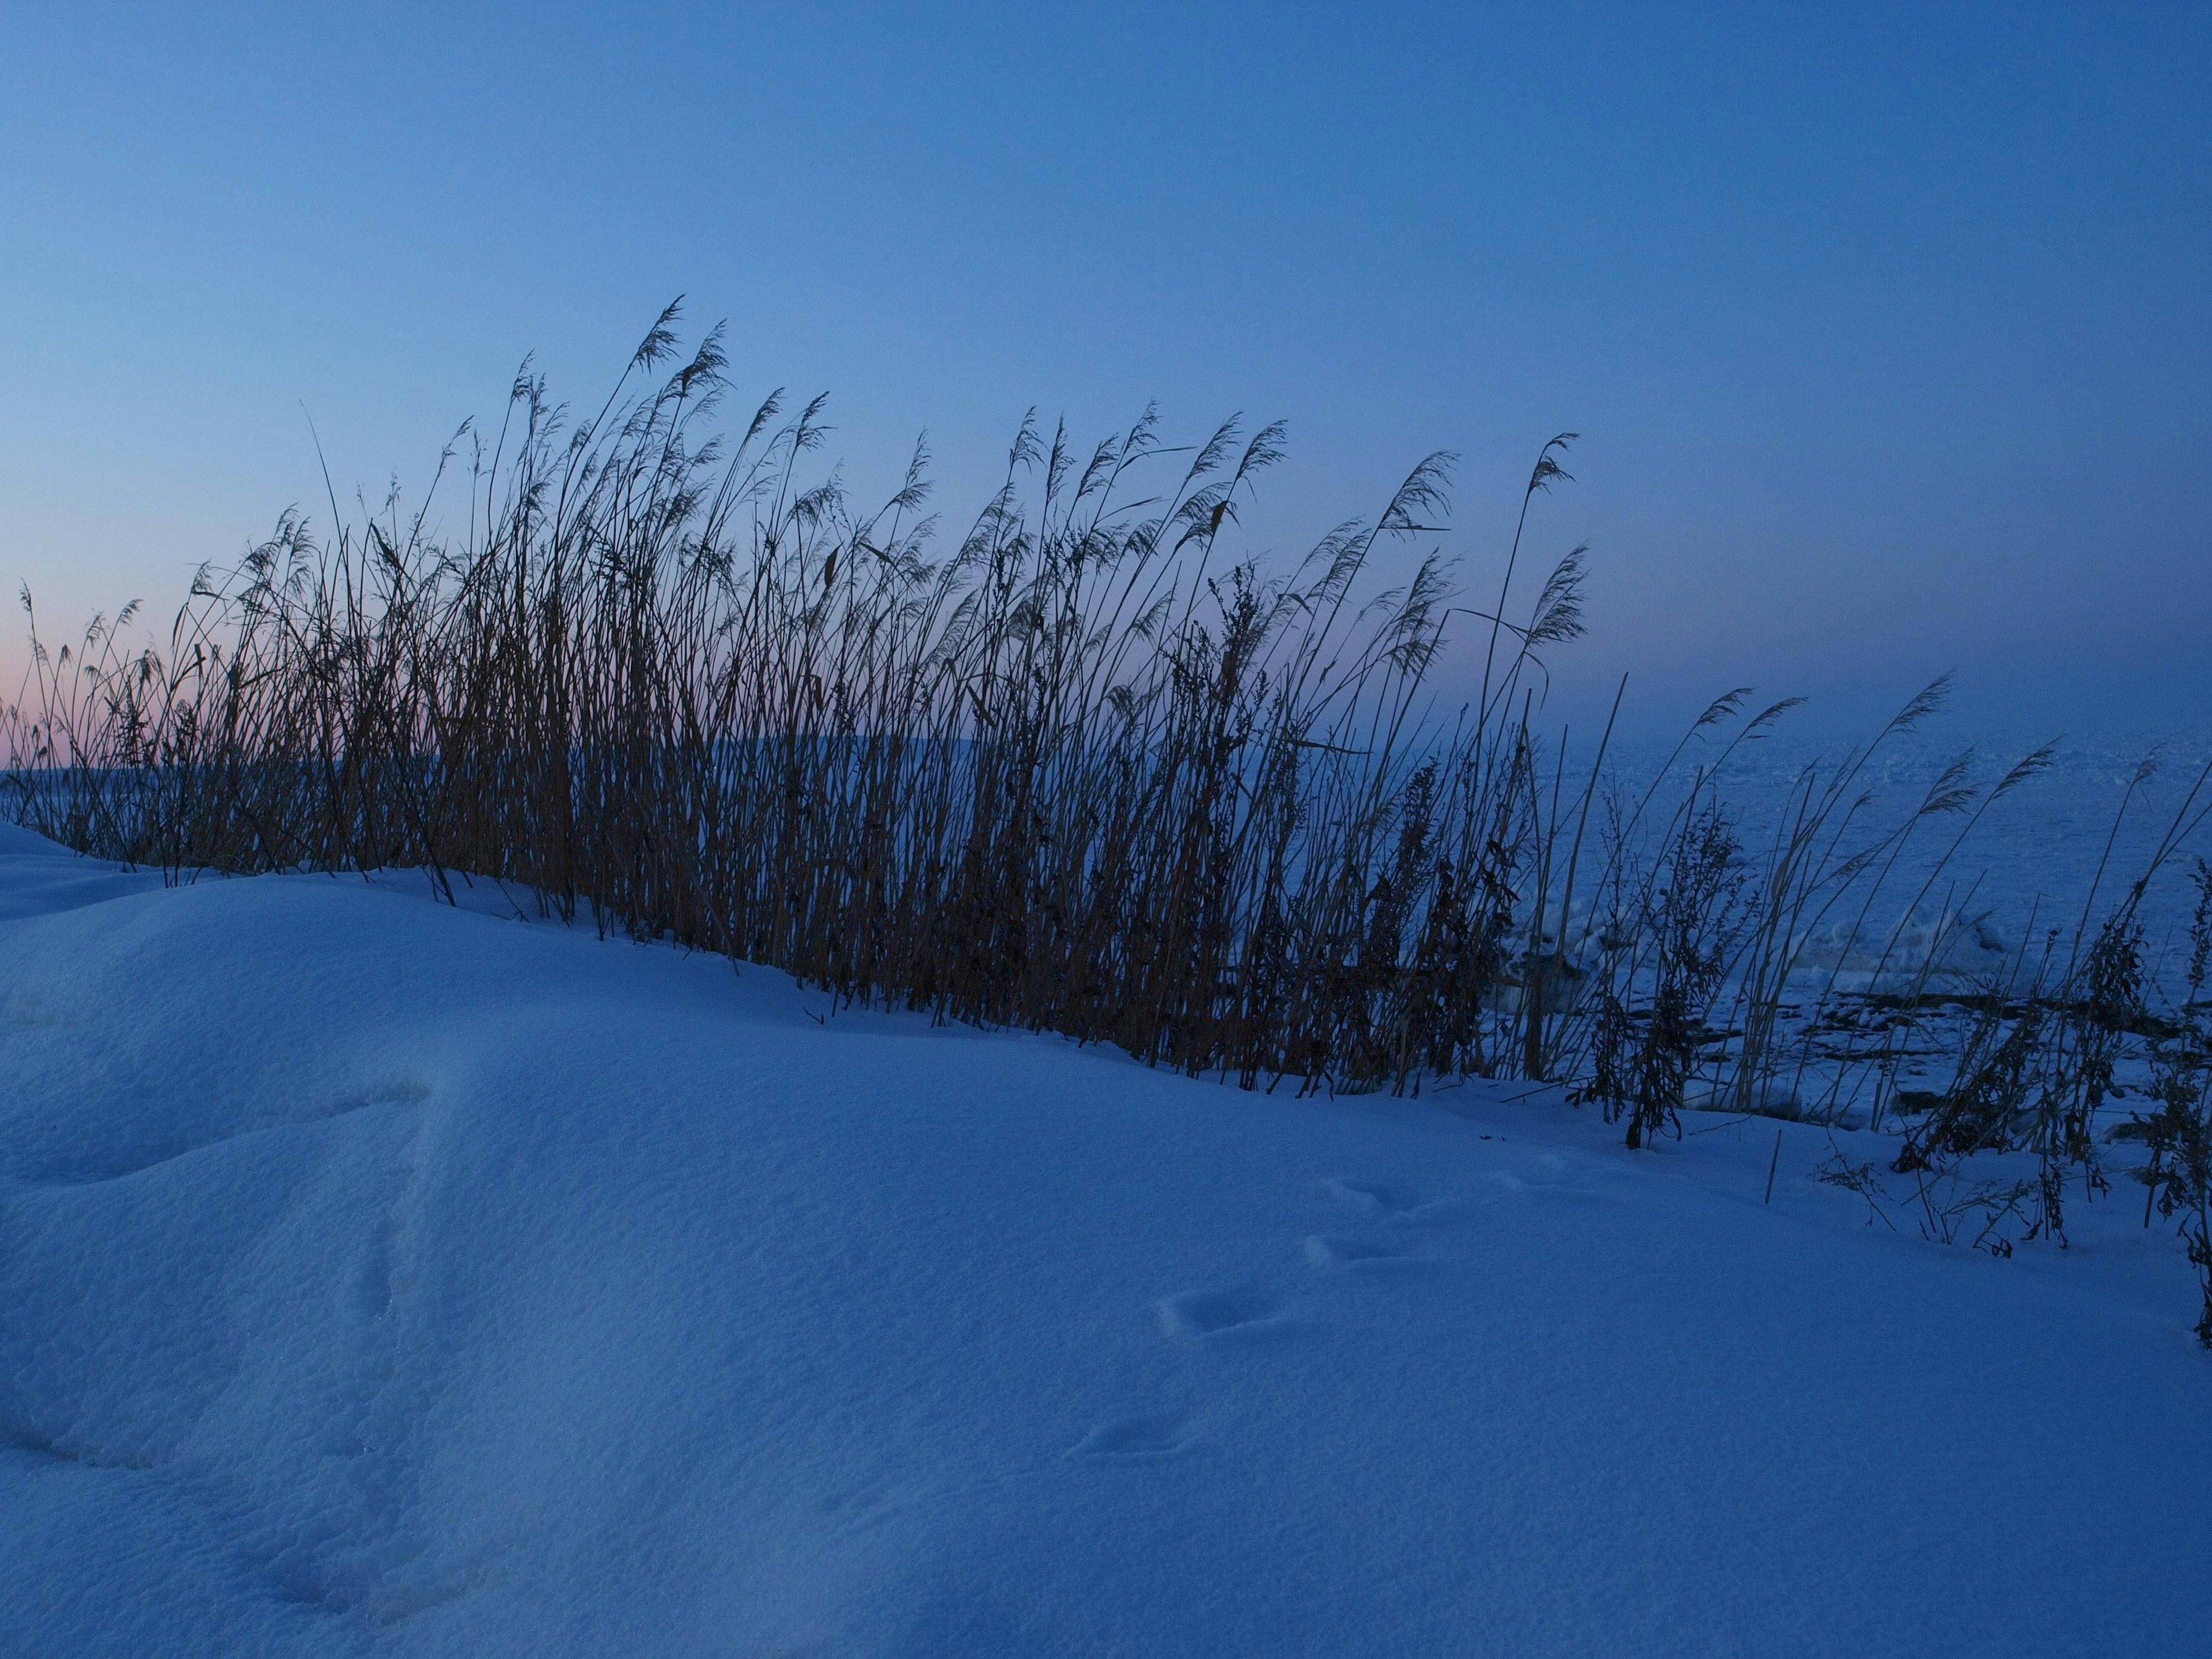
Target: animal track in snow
{"type": "Point", "coordinates": [1365, 1255]}
{"type": "Point", "coordinates": [1393, 1208]}
{"type": "Point", "coordinates": [1150, 1438]}
{"type": "Point", "coordinates": [1362, 1195]}
{"type": "Point", "coordinates": [1221, 1315]}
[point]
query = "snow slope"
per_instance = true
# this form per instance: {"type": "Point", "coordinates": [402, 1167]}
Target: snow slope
{"type": "Point", "coordinates": [381, 1278]}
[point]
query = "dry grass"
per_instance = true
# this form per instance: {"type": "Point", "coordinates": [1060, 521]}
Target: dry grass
{"type": "Point", "coordinates": [1086, 771]}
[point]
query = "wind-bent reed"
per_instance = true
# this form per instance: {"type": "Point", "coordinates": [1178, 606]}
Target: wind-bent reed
{"type": "Point", "coordinates": [1082, 774]}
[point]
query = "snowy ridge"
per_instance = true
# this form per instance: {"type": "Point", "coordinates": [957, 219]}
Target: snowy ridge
{"type": "Point", "coordinates": [381, 1278]}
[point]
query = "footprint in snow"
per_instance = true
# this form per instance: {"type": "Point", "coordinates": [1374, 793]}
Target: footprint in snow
{"type": "Point", "coordinates": [1367, 1254]}
{"type": "Point", "coordinates": [1222, 1317]}
{"type": "Point", "coordinates": [1364, 1196]}
{"type": "Point", "coordinates": [1394, 1208]}
{"type": "Point", "coordinates": [1152, 1438]}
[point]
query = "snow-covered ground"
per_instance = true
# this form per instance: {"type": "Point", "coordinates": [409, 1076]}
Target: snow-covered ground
{"type": "Point", "coordinates": [2056, 849]}
{"type": "Point", "coordinates": [377, 1276]}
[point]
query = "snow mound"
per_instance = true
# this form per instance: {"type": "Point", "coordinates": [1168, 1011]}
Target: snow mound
{"type": "Point", "coordinates": [378, 1277]}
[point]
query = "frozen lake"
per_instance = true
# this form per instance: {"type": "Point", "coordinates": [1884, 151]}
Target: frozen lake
{"type": "Point", "coordinates": [2054, 848]}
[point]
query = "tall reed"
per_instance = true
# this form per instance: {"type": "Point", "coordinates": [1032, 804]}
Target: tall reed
{"type": "Point", "coordinates": [1084, 772]}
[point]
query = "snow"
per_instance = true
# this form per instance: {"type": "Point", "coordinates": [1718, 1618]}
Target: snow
{"type": "Point", "coordinates": [379, 1277]}
{"type": "Point", "coordinates": [2030, 864]}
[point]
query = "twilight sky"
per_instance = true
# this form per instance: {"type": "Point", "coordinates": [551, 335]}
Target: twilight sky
{"type": "Point", "coordinates": [1887, 330]}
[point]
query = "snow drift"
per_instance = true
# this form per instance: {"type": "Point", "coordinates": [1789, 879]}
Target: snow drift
{"type": "Point", "coordinates": [378, 1277]}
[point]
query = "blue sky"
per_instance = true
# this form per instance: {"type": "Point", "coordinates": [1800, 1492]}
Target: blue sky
{"type": "Point", "coordinates": [1887, 330]}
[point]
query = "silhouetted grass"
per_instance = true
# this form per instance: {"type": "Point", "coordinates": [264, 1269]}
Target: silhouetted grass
{"type": "Point", "coordinates": [1082, 774]}
{"type": "Point", "coordinates": [1085, 771]}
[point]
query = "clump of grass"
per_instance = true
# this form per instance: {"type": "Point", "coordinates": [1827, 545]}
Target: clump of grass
{"type": "Point", "coordinates": [1081, 770]}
